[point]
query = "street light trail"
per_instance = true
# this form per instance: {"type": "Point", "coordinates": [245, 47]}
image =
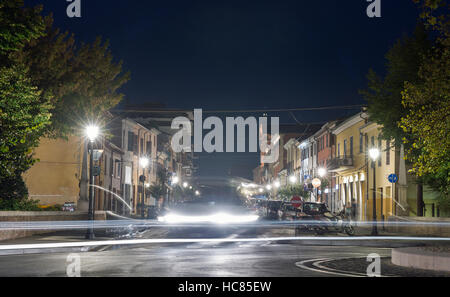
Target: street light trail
{"type": "Point", "coordinates": [212, 240]}
{"type": "Point", "coordinates": [130, 223]}
{"type": "Point", "coordinates": [114, 194]}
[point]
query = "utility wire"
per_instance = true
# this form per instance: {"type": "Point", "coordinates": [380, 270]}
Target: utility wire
{"type": "Point", "coordinates": [359, 106]}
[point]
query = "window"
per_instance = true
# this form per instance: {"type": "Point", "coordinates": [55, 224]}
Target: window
{"type": "Point", "coordinates": [141, 144]}
{"type": "Point", "coordinates": [149, 148]}
{"type": "Point", "coordinates": [351, 146]}
{"type": "Point", "coordinates": [361, 144]}
{"type": "Point", "coordinates": [111, 166]}
{"type": "Point", "coordinates": [345, 148]}
{"type": "Point", "coordinates": [119, 169]}
{"type": "Point", "coordinates": [328, 140]}
{"type": "Point", "coordinates": [130, 141]}
{"type": "Point", "coordinates": [379, 147]}
{"type": "Point", "coordinates": [339, 150]}
{"type": "Point", "coordinates": [367, 140]}
{"type": "Point", "coordinates": [388, 153]}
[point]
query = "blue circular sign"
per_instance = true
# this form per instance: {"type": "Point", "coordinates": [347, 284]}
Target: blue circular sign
{"type": "Point", "coordinates": [393, 178]}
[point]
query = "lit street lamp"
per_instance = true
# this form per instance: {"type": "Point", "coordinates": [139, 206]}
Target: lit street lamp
{"type": "Point", "coordinates": [322, 172]}
{"type": "Point", "coordinates": [293, 179]}
{"type": "Point", "coordinates": [92, 133]}
{"type": "Point", "coordinates": [143, 161]}
{"type": "Point", "coordinates": [185, 185]}
{"type": "Point", "coordinates": [277, 184]}
{"type": "Point", "coordinates": [374, 154]}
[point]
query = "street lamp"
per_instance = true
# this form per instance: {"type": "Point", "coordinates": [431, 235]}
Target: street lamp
{"type": "Point", "coordinates": [374, 154]}
{"type": "Point", "coordinates": [277, 184]}
{"type": "Point", "coordinates": [197, 193]}
{"type": "Point", "coordinates": [143, 161]}
{"type": "Point", "coordinates": [269, 187]}
{"type": "Point", "coordinates": [322, 172]}
{"type": "Point", "coordinates": [293, 179]}
{"type": "Point", "coordinates": [175, 180]}
{"type": "Point", "coordinates": [185, 185]}
{"type": "Point", "coordinates": [92, 132]}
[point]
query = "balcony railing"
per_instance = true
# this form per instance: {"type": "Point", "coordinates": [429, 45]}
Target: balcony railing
{"type": "Point", "coordinates": [340, 163]}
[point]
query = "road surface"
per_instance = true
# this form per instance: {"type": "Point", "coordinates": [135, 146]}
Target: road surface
{"type": "Point", "coordinates": [233, 259]}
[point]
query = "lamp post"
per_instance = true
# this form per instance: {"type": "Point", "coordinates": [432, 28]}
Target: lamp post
{"type": "Point", "coordinates": [143, 161]}
{"type": "Point", "coordinates": [322, 172]}
{"type": "Point", "coordinates": [374, 154]}
{"type": "Point", "coordinates": [174, 180]}
{"type": "Point", "coordinates": [92, 132]}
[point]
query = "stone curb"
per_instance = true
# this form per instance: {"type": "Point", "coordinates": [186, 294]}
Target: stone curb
{"type": "Point", "coordinates": [48, 251]}
{"type": "Point", "coordinates": [416, 258]}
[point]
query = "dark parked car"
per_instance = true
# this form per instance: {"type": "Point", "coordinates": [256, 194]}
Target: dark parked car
{"type": "Point", "coordinates": [288, 212]}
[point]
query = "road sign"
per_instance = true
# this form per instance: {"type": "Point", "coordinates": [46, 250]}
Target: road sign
{"type": "Point", "coordinates": [96, 170]}
{"type": "Point", "coordinates": [296, 201]}
{"type": "Point", "coordinates": [393, 178]}
{"type": "Point", "coordinates": [316, 183]}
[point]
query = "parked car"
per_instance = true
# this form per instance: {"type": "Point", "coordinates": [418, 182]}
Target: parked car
{"type": "Point", "coordinates": [288, 212]}
{"type": "Point", "coordinates": [272, 208]}
{"type": "Point", "coordinates": [68, 206]}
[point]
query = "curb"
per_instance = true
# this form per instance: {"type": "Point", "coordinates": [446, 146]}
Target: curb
{"type": "Point", "coordinates": [384, 244]}
{"type": "Point", "coordinates": [47, 251]}
{"type": "Point", "coordinates": [421, 259]}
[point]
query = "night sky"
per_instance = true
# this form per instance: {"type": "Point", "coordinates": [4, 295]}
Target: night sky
{"type": "Point", "coordinates": [243, 54]}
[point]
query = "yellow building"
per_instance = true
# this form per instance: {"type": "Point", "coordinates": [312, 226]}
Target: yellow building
{"type": "Point", "coordinates": [55, 178]}
{"type": "Point", "coordinates": [354, 171]}
{"type": "Point", "coordinates": [384, 166]}
{"type": "Point", "coordinates": [348, 166]}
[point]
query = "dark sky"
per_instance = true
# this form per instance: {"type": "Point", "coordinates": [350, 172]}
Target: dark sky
{"type": "Point", "coordinates": [243, 54]}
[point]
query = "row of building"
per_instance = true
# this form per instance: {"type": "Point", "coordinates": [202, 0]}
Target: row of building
{"type": "Point", "coordinates": [338, 154]}
{"type": "Point", "coordinates": [61, 175]}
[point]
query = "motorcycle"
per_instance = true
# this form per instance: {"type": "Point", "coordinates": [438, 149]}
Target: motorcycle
{"type": "Point", "coordinates": [320, 221]}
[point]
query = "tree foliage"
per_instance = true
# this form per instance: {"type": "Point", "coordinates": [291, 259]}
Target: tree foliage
{"type": "Point", "coordinates": [427, 105]}
{"type": "Point", "coordinates": [82, 81]}
{"type": "Point", "coordinates": [18, 25]}
{"type": "Point", "coordinates": [159, 189]}
{"type": "Point", "coordinates": [384, 93]}
{"type": "Point", "coordinates": [24, 110]}
{"type": "Point", "coordinates": [286, 193]}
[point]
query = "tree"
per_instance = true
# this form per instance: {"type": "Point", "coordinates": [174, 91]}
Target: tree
{"type": "Point", "coordinates": [288, 192]}
{"type": "Point", "coordinates": [427, 105]}
{"type": "Point", "coordinates": [23, 120]}
{"type": "Point", "coordinates": [24, 111]}
{"type": "Point", "coordinates": [159, 189]}
{"type": "Point", "coordinates": [18, 25]}
{"type": "Point", "coordinates": [83, 81]}
{"type": "Point", "coordinates": [384, 94]}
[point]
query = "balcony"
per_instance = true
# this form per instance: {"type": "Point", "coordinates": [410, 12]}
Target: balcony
{"type": "Point", "coordinates": [340, 164]}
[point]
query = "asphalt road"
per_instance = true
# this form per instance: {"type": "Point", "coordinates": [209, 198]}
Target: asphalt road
{"type": "Point", "coordinates": [236, 259]}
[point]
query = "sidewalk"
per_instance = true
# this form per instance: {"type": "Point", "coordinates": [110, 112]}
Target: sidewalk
{"type": "Point", "coordinates": [54, 237]}
{"type": "Point", "coordinates": [352, 240]}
